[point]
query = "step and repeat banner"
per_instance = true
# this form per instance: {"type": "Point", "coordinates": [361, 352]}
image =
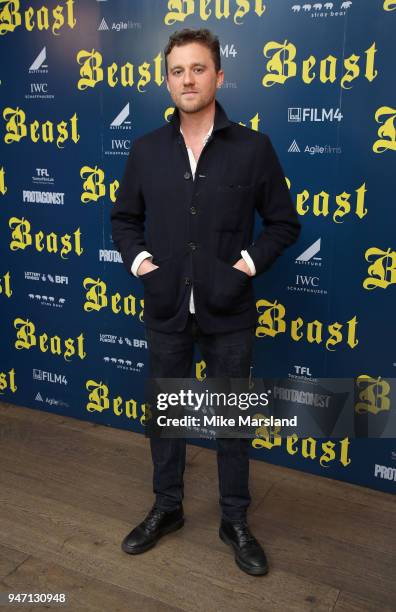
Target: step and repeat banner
{"type": "Point", "coordinates": [79, 82]}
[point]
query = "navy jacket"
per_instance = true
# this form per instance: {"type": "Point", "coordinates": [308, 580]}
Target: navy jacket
{"type": "Point", "coordinates": [196, 229]}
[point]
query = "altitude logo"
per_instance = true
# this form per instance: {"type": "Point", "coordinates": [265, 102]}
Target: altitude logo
{"type": "Point", "coordinates": [122, 121]}
{"type": "Point", "coordinates": [310, 255]}
{"type": "Point", "coordinates": [39, 90]}
{"type": "Point", "coordinates": [39, 66]}
{"type": "Point", "coordinates": [309, 283]}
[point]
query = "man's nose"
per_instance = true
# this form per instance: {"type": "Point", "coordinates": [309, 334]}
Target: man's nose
{"type": "Point", "coordinates": [188, 77]}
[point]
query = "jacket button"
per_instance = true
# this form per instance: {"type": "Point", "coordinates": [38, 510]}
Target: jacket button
{"type": "Point", "coordinates": [187, 281]}
{"type": "Point", "coordinates": [187, 175]}
{"type": "Point", "coordinates": [193, 210]}
{"type": "Point", "coordinates": [192, 245]}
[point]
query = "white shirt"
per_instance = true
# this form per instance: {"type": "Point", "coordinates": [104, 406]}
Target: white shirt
{"type": "Point", "coordinates": [145, 254]}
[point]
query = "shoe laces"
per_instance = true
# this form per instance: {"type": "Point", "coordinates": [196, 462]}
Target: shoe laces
{"type": "Point", "coordinates": [243, 533]}
{"type": "Point", "coordinates": [152, 519]}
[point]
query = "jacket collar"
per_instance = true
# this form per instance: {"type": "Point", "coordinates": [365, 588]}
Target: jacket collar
{"type": "Point", "coordinates": [221, 120]}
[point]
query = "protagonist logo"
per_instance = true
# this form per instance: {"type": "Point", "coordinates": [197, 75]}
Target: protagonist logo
{"type": "Point", "coordinates": [94, 186]}
{"type": "Point", "coordinates": [382, 271]}
{"type": "Point", "coordinates": [282, 66]}
{"type": "Point", "coordinates": [373, 393]}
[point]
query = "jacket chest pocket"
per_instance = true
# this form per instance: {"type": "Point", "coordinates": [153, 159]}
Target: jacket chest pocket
{"type": "Point", "coordinates": [233, 205]}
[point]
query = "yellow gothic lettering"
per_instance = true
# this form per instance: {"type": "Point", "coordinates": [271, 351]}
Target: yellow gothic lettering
{"type": "Point", "coordinates": [96, 299]}
{"type": "Point", "coordinates": [94, 187]}
{"type": "Point", "coordinates": [281, 66]}
{"type": "Point", "coordinates": [387, 131]}
{"type": "Point", "coordinates": [7, 381]}
{"type": "Point", "coordinates": [21, 238]}
{"type": "Point", "coordinates": [26, 339]}
{"type": "Point", "coordinates": [389, 5]}
{"type": "Point", "coordinates": [271, 322]}
{"type": "Point", "coordinates": [320, 206]}
{"type": "Point", "coordinates": [3, 188]}
{"type": "Point", "coordinates": [92, 72]}
{"type": "Point", "coordinates": [17, 129]}
{"type": "Point", "coordinates": [5, 285]}
{"type": "Point", "coordinates": [373, 393]}
{"type": "Point", "coordinates": [382, 271]}
{"type": "Point", "coordinates": [11, 18]}
{"type": "Point", "coordinates": [99, 400]}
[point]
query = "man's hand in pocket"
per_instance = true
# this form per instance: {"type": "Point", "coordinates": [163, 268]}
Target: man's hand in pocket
{"type": "Point", "coordinates": [242, 266]}
{"type": "Point", "coordinates": [146, 266]}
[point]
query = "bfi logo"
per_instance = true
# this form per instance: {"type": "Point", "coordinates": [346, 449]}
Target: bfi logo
{"type": "Point", "coordinates": [139, 343]}
{"type": "Point", "coordinates": [62, 280]}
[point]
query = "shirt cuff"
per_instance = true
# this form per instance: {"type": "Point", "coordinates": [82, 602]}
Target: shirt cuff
{"type": "Point", "coordinates": [249, 262]}
{"type": "Point", "coordinates": [138, 260]}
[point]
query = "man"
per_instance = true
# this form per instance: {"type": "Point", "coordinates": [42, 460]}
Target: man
{"type": "Point", "coordinates": [183, 223]}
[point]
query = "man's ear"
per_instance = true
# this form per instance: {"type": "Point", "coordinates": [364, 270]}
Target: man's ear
{"type": "Point", "coordinates": [167, 84]}
{"type": "Point", "coordinates": [220, 78]}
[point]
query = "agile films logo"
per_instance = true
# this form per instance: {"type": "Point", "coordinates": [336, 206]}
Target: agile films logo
{"type": "Point", "coordinates": [39, 90]}
{"type": "Point", "coordinates": [314, 149]}
{"type": "Point", "coordinates": [309, 282]}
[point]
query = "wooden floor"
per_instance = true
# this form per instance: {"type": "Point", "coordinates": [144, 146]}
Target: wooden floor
{"type": "Point", "coordinates": [71, 490]}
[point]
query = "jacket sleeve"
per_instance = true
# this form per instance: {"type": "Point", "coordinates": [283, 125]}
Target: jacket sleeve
{"type": "Point", "coordinates": [128, 213]}
{"type": "Point", "coordinates": [281, 226]}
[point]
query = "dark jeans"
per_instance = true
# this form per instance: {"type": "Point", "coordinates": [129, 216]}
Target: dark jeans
{"type": "Point", "coordinates": [226, 355]}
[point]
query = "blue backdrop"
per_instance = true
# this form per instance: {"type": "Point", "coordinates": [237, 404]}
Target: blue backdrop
{"type": "Point", "coordinates": [79, 82]}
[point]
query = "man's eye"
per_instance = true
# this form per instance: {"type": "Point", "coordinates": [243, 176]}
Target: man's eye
{"type": "Point", "coordinates": [176, 72]}
{"type": "Point", "coordinates": [198, 69]}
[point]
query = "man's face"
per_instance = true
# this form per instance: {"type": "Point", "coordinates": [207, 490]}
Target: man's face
{"type": "Point", "coordinates": [192, 78]}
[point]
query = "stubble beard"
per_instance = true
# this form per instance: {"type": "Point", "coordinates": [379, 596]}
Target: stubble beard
{"type": "Point", "coordinates": [198, 106]}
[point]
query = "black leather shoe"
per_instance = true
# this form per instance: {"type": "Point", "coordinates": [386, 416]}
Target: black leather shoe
{"type": "Point", "coordinates": [156, 524]}
{"type": "Point", "coordinates": [249, 556]}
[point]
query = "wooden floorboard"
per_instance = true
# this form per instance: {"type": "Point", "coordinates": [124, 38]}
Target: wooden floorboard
{"type": "Point", "coordinates": [70, 490]}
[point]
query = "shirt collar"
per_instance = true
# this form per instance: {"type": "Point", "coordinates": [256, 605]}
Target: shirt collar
{"type": "Point", "coordinates": [205, 138]}
{"type": "Point", "coordinates": [221, 120]}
